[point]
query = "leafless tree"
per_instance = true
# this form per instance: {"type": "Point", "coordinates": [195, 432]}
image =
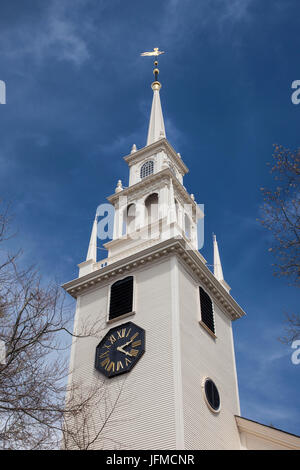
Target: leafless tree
{"type": "Point", "coordinates": [281, 216]}
{"type": "Point", "coordinates": [35, 329]}
{"type": "Point", "coordinates": [292, 328]}
{"type": "Point", "coordinates": [87, 419]}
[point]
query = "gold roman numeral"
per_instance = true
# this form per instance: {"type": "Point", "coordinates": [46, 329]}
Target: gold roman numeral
{"type": "Point", "coordinates": [119, 365]}
{"type": "Point", "coordinates": [105, 363]}
{"type": "Point", "coordinates": [134, 352]}
{"type": "Point", "coordinates": [128, 332]}
{"type": "Point", "coordinates": [136, 343]}
{"type": "Point", "coordinates": [111, 367]}
{"type": "Point", "coordinates": [112, 339]}
{"type": "Point", "coordinates": [127, 361]}
{"type": "Point", "coordinates": [121, 333]}
{"type": "Point", "coordinates": [134, 336]}
{"type": "Point", "coordinates": [104, 354]}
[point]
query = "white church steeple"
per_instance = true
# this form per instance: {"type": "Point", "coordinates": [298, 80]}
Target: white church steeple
{"type": "Point", "coordinates": [165, 320]}
{"type": "Point", "coordinates": [155, 280]}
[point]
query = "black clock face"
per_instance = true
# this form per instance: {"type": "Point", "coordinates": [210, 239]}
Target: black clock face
{"type": "Point", "coordinates": [120, 349]}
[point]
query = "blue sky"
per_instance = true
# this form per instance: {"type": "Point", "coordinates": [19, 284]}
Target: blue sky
{"type": "Point", "coordinates": [79, 96]}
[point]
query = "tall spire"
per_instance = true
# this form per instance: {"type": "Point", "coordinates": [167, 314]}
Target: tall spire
{"type": "Point", "coordinates": [218, 272]}
{"type": "Point", "coordinates": [92, 251]}
{"type": "Point", "coordinates": [156, 128]}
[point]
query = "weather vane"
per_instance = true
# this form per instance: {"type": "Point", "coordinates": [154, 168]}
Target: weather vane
{"type": "Point", "coordinates": [156, 52]}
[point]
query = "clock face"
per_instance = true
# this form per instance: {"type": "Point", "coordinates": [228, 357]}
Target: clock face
{"type": "Point", "coordinates": [120, 349]}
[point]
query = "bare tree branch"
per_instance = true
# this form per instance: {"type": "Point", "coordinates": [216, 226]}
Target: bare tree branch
{"type": "Point", "coordinates": [35, 326]}
{"type": "Point", "coordinates": [281, 216]}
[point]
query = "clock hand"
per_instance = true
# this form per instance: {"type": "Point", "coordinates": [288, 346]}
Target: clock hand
{"type": "Point", "coordinates": [126, 344]}
{"type": "Point", "coordinates": [120, 348]}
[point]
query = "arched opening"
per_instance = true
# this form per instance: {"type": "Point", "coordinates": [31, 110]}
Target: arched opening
{"type": "Point", "coordinates": [129, 219]}
{"type": "Point", "coordinates": [176, 210]}
{"type": "Point", "coordinates": [151, 205]}
{"type": "Point", "coordinates": [147, 169]}
{"type": "Point", "coordinates": [187, 226]}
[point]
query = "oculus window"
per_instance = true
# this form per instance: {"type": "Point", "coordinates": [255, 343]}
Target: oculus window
{"type": "Point", "coordinates": [212, 395]}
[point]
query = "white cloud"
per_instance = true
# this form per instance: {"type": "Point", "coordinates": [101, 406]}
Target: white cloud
{"type": "Point", "coordinates": [235, 10]}
{"type": "Point", "coordinates": [64, 41]}
{"type": "Point", "coordinates": [55, 35]}
{"type": "Point", "coordinates": [182, 19]}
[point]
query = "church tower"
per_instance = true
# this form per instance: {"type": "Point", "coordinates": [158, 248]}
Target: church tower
{"type": "Point", "coordinates": [164, 353]}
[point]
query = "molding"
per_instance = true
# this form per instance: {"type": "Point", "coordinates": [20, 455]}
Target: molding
{"type": "Point", "coordinates": [119, 318]}
{"type": "Point", "coordinates": [156, 147]}
{"type": "Point", "coordinates": [176, 346]}
{"type": "Point", "coordinates": [152, 182]}
{"type": "Point", "coordinates": [86, 263]}
{"type": "Point", "coordinates": [224, 284]}
{"type": "Point", "coordinates": [72, 354]}
{"type": "Point", "coordinates": [141, 239]}
{"type": "Point", "coordinates": [267, 433]}
{"type": "Point", "coordinates": [235, 372]}
{"type": "Point", "coordinates": [137, 235]}
{"type": "Point", "coordinates": [192, 260]}
{"type": "Point", "coordinates": [211, 333]}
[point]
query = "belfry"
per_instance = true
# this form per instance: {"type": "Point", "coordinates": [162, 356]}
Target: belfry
{"type": "Point", "coordinates": [164, 350]}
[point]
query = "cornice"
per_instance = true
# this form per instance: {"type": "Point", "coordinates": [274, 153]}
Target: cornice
{"type": "Point", "coordinates": [139, 233]}
{"type": "Point", "coordinates": [161, 144]}
{"type": "Point", "coordinates": [192, 260]}
{"type": "Point", "coordinates": [149, 182]}
{"type": "Point", "coordinates": [267, 433]}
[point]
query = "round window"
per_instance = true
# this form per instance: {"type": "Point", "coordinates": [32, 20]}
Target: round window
{"type": "Point", "coordinates": [212, 395]}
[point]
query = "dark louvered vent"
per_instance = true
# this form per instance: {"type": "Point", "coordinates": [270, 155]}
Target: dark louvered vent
{"type": "Point", "coordinates": [121, 295]}
{"type": "Point", "coordinates": [207, 314]}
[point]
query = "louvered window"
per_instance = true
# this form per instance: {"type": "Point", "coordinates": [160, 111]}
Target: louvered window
{"type": "Point", "coordinates": [207, 313]}
{"type": "Point", "coordinates": [147, 169]}
{"type": "Point", "coordinates": [121, 297]}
